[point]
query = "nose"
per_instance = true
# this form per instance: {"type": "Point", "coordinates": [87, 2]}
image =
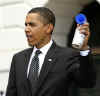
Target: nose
{"type": "Point", "coordinates": [27, 29]}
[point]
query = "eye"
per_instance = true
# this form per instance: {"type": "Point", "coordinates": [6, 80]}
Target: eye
{"type": "Point", "coordinates": [32, 24]}
{"type": "Point", "coordinates": [25, 24]}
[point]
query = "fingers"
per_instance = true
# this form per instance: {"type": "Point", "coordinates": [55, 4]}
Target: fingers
{"type": "Point", "coordinates": [84, 29]}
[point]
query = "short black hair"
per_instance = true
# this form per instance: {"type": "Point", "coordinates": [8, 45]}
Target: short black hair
{"type": "Point", "coordinates": [47, 15]}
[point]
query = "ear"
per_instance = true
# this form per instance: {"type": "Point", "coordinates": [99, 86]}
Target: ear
{"type": "Point", "coordinates": [50, 28]}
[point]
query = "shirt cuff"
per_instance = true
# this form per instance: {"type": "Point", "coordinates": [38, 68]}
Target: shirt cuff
{"type": "Point", "coordinates": [84, 53]}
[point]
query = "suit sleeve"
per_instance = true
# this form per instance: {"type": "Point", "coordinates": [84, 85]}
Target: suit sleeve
{"type": "Point", "coordinates": [87, 71]}
{"type": "Point", "coordinates": [83, 71]}
{"type": "Point", "coordinates": [11, 88]}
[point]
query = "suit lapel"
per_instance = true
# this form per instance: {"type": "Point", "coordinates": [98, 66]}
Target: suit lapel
{"type": "Point", "coordinates": [50, 58]}
{"type": "Point", "coordinates": [27, 58]}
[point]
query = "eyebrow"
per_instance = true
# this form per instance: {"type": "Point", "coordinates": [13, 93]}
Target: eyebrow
{"type": "Point", "coordinates": [30, 23]}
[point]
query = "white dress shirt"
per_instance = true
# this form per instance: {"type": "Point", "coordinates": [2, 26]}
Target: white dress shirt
{"type": "Point", "coordinates": [84, 53]}
{"type": "Point", "coordinates": [41, 56]}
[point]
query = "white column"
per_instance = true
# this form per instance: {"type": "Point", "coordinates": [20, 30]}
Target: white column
{"type": "Point", "coordinates": [12, 36]}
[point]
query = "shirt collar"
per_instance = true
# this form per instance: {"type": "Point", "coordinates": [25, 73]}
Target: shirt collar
{"type": "Point", "coordinates": [45, 48]}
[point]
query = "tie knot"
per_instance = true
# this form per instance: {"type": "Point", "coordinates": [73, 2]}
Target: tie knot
{"type": "Point", "coordinates": [38, 52]}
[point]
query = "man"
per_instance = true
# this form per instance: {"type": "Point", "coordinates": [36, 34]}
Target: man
{"type": "Point", "coordinates": [58, 67]}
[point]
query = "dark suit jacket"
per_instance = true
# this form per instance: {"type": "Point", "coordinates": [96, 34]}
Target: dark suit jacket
{"type": "Point", "coordinates": [56, 75]}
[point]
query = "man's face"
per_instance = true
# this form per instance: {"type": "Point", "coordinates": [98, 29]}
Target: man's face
{"type": "Point", "coordinates": [36, 30]}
